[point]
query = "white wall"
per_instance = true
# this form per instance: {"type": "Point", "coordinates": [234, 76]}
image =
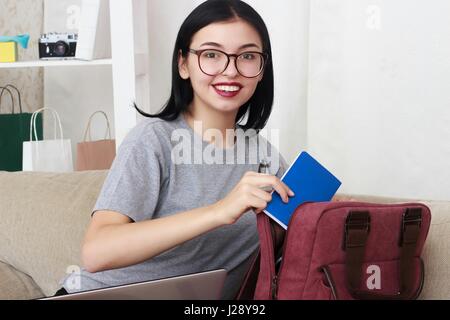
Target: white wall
{"type": "Point", "coordinates": [379, 95]}
{"type": "Point", "coordinates": [288, 24]}
{"type": "Point", "coordinates": [164, 19]}
{"type": "Point", "coordinates": [76, 93]}
{"type": "Point", "coordinates": [288, 27]}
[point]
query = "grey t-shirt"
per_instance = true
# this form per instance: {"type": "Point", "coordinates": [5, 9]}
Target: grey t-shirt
{"type": "Point", "coordinates": [148, 181]}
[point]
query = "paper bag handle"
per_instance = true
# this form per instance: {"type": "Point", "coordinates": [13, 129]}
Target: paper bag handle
{"type": "Point", "coordinates": [88, 128]}
{"type": "Point", "coordinates": [56, 119]}
{"type": "Point", "coordinates": [18, 95]}
{"type": "Point", "coordinates": [10, 94]}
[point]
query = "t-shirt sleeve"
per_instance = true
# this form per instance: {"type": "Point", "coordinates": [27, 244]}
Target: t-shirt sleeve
{"type": "Point", "coordinates": [132, 186]}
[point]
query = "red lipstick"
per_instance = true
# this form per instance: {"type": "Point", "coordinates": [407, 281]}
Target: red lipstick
{"type": "Point", "coordinates": [232, 89]}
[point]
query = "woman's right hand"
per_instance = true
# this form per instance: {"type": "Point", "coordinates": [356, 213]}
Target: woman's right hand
{"type": "Point", "coordinates": [248, 194]}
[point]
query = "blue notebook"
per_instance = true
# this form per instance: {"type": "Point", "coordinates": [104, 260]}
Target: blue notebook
{"type": "Point", "coordinates": [310, 181]}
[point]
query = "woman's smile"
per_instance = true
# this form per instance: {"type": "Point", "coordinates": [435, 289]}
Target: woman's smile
{"type": "Point", "coordinates": [228, 89]}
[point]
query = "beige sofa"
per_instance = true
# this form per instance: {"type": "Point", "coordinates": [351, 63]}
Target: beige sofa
{"type": "Point", "coordinates": [43, 218]}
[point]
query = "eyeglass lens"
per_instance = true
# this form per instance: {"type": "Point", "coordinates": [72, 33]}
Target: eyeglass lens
{"type": "Point", "coordinates": [248, 64]}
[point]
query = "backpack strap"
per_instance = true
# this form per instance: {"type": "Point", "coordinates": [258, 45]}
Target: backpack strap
{"type": "Point", "coordinates": [276, 237]}
{"type": "Point", "coordinates": [357, 229]}
{"type": "Point", "coordinates": [264, 289]}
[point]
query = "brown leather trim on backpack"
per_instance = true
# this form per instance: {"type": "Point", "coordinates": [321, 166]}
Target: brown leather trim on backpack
{"type": "Point", "coordinates": [356, 232]}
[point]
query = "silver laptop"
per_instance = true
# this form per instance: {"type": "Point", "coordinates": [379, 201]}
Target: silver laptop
{"type": "Point", "coordinates": [199, 286]}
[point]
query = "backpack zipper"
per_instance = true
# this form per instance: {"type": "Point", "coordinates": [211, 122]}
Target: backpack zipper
{"type": "Point", "coordinates": [274, 287]}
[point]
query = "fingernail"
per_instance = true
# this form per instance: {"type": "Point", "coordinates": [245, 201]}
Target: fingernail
{"type": "Point", "coordinates": [291, 193]}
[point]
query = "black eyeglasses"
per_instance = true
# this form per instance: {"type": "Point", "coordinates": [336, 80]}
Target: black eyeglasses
{"type": "Point", "coordinates": [213, 62]}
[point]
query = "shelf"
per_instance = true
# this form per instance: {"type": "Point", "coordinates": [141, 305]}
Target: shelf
{"type": "Point", "coordinates": [55, 63]}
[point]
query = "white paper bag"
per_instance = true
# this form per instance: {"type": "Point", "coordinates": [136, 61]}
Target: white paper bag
{"type": "Point", "coordinates": [47, 155]}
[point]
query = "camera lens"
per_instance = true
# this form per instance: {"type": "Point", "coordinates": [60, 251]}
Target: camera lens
{"type": "Point", "coordinates": [61, 48]}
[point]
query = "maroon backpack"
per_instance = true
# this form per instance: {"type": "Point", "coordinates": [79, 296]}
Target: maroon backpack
{"type": "Point", "coordinates": [342, 250]}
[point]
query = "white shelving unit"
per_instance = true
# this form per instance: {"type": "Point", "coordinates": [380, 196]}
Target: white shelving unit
{"type": "Point", "coordinates": [130, 52]}
{"type": "Point", "coordinates": [129, 62]}
{"type": "Point", "coordinates": [54, 63]}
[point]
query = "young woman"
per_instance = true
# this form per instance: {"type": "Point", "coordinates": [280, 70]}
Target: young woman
{"type": "Point", "coordinates": [156, 217]}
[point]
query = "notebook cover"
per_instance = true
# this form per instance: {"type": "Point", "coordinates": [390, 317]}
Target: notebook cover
{"type": "Point", "coordinates": [310, 181]}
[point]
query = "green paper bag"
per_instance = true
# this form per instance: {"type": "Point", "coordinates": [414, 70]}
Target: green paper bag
{"type": "Point", "coordinates": [14, 130]}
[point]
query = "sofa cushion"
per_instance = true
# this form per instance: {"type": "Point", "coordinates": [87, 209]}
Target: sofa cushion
{"type": "Point", "coordinates": [436, 253]}
{"type": "Point", "coordinates": [16, 285]}
{"type": "Point", "coordinates": [44, 217]}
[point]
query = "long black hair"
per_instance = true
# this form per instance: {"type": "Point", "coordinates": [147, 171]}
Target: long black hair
{"type": "Point", "coordinates": [259, 107]}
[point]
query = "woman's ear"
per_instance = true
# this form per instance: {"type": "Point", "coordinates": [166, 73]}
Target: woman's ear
{"type": "Point", "coordinates": [182, 66]}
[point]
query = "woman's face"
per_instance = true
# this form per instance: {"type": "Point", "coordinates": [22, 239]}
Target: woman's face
{"type": "Point", "coordinates": [229, 90]}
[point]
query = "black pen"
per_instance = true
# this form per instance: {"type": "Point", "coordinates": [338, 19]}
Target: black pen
{"type": "Point", "coordinates": [264, 168]}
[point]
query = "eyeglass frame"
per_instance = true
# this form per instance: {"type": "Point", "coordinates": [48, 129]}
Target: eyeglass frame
{"type": "Point", "coordinates": [198, 53]}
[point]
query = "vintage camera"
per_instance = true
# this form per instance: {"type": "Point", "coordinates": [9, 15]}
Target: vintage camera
{"type": "Point", "coordinates": [57, 45]}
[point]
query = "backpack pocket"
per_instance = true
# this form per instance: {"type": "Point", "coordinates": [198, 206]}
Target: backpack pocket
{"type": "Point", "coordinates": [379, 280]}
